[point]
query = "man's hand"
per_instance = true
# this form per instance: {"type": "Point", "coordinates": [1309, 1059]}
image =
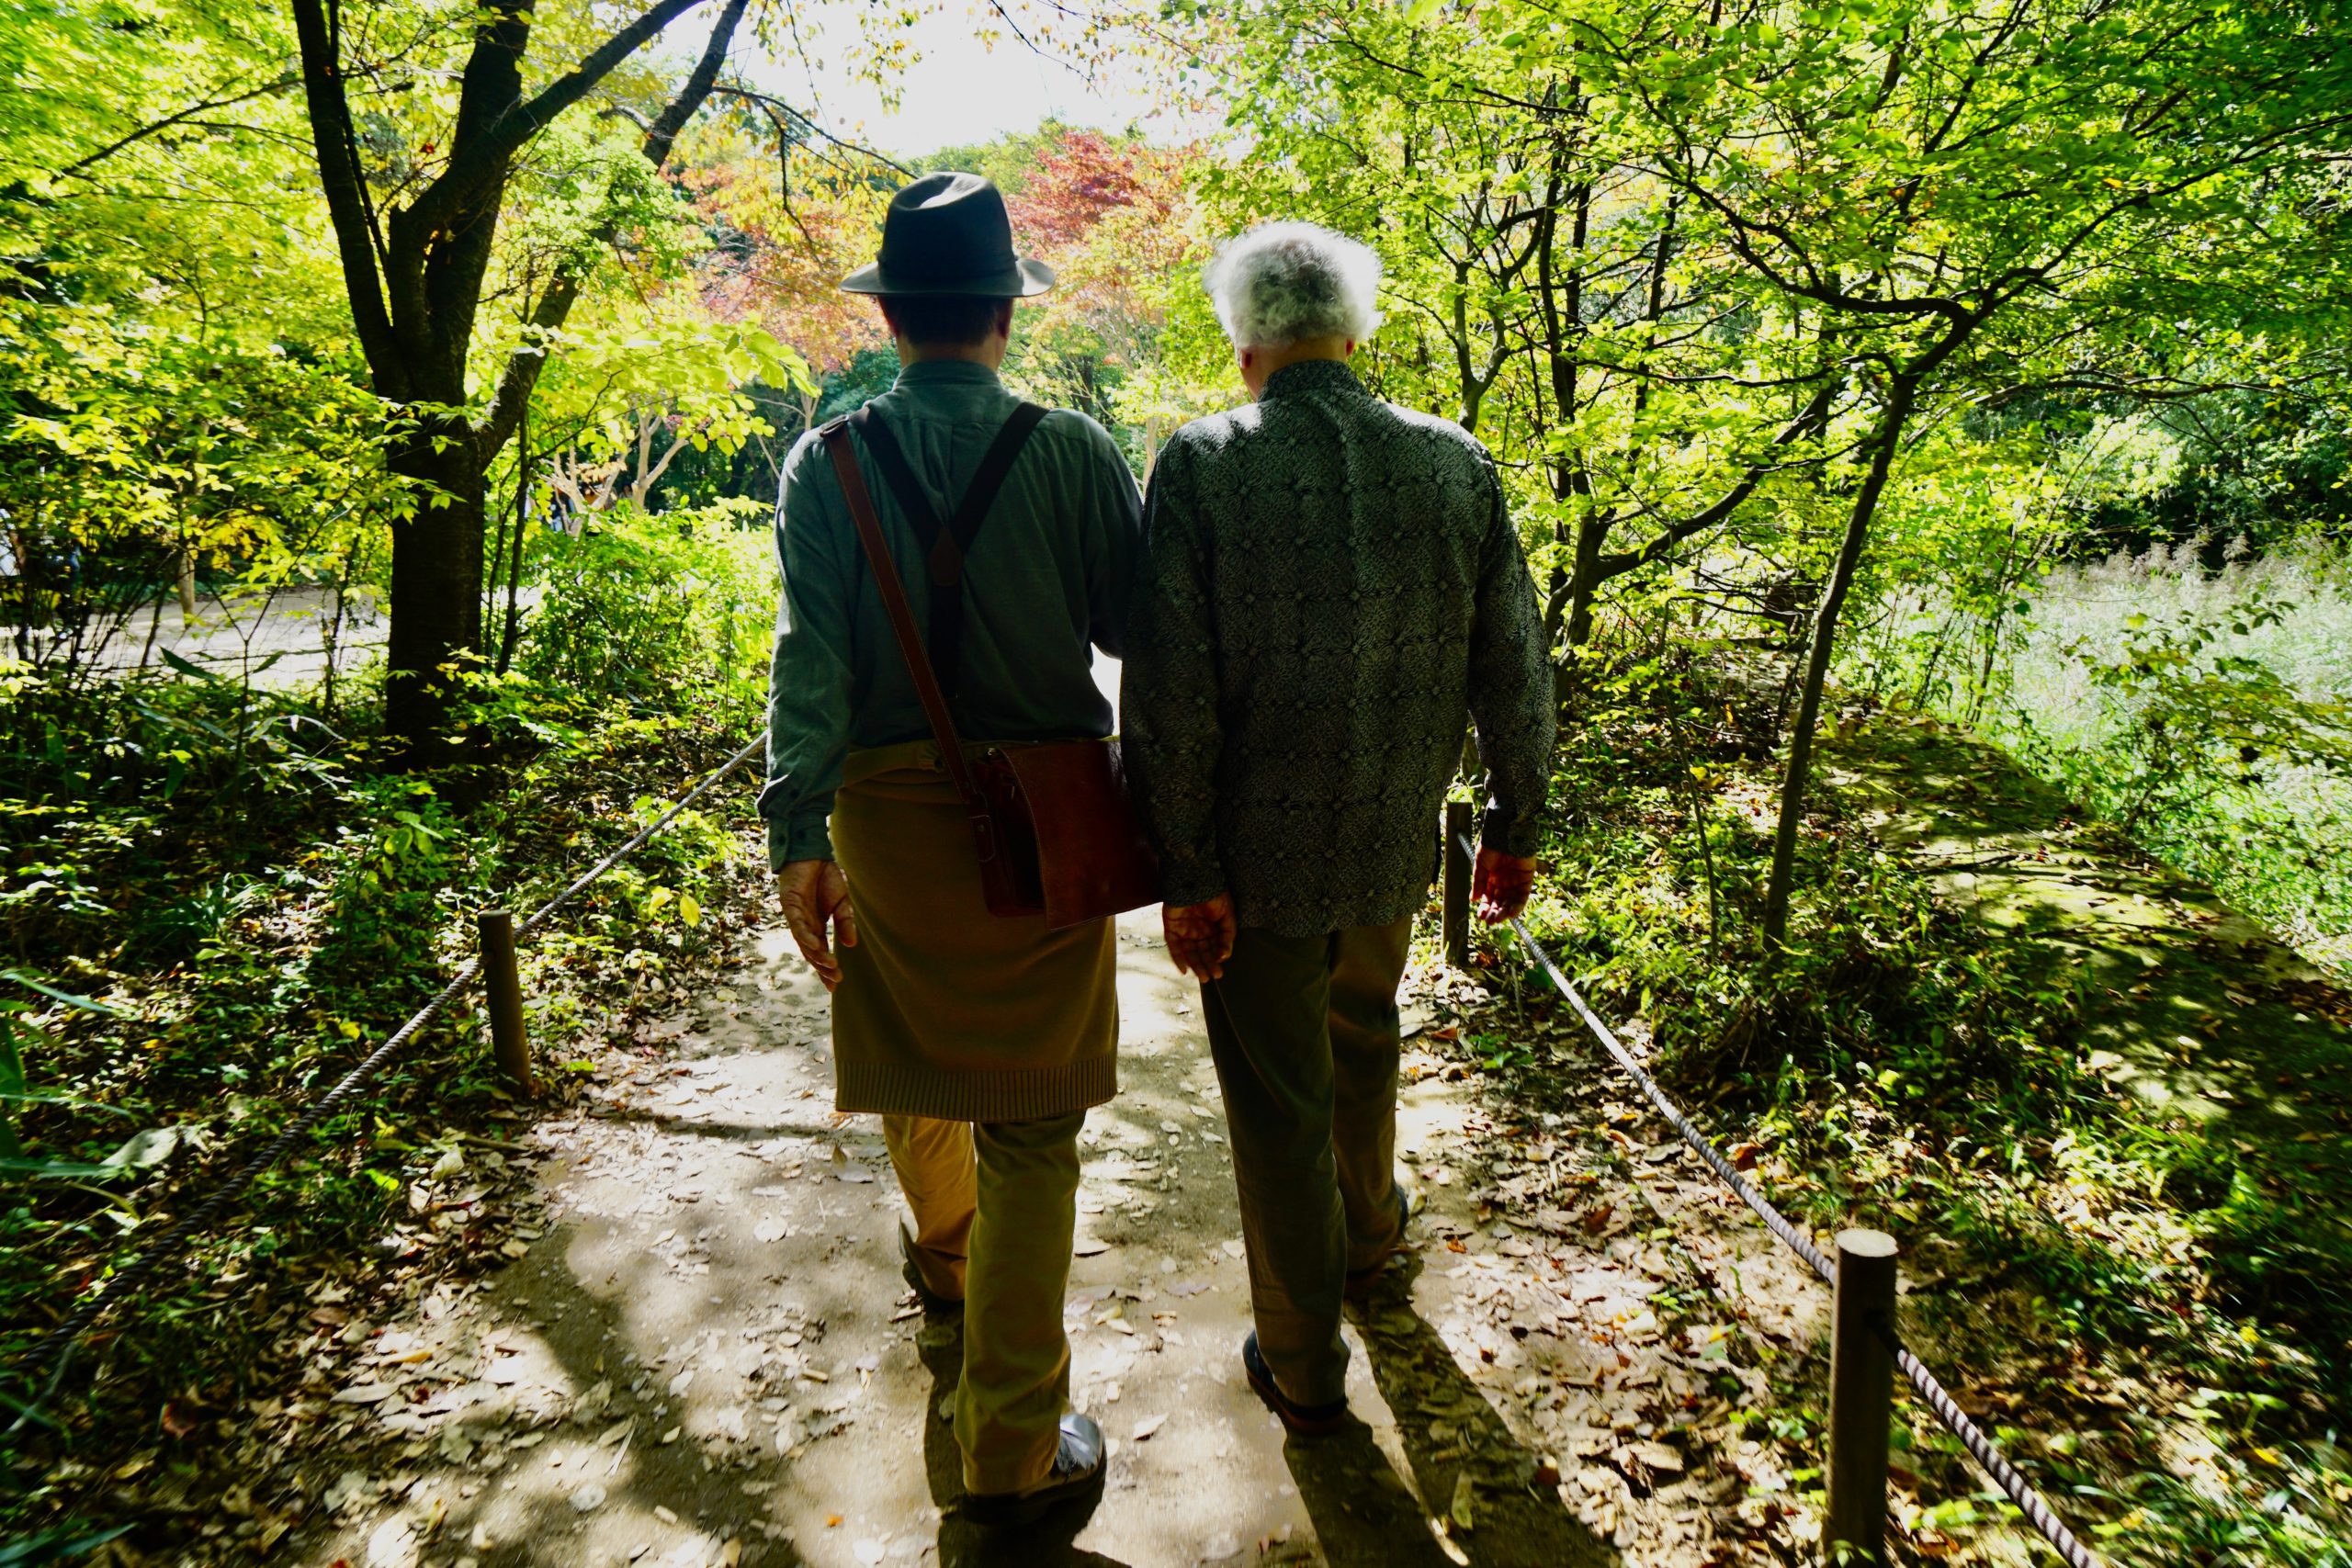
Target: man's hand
{"type": "Point", "coordinates": [1500, 885]}
{"type": "Point", "coordinates": [1200, 936]}
{"type": "Point", "coordinates": [814, 892]}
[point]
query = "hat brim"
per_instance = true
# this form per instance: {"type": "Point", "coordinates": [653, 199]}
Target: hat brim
{"type": "Point", "coordinates": [1023, 278]}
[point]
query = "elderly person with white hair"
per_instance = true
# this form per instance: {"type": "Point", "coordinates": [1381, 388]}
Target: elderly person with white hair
{"type": "Point", "coordinates": [1334, 588]}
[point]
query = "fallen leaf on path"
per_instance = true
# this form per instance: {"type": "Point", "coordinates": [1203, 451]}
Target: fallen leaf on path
{"type": "Point", "coordinates": [1658, 1456]}
{"type": "Point", "coordinates": [1147, 1426]}
{"type": "Point", "coordinates": [1461, 1511]}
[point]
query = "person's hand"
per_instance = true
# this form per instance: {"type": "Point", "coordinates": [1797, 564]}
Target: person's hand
{"type": "Point", "coordinates": [1500, 885]}
{"type": "Point", "coordinates": [814, 892]}
{"type": "Point", "coordinates": [1199, 936]}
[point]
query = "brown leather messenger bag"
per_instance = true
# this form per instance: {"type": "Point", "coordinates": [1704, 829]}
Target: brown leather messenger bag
{"type": "Point", "coordinates": [1055, 830]}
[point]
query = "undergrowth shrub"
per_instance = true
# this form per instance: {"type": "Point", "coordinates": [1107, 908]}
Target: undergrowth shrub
{"type": "Point", "coordinates": [643, 608]}
{"type": "Point", "coordinates": [1659, 858]}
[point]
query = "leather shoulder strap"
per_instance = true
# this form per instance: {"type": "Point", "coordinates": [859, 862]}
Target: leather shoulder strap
{"type": "Point", "coordinates": [894, 603]}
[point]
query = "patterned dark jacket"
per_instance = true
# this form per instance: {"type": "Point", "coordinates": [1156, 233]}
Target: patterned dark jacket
{"type": "Point", "coordinates": [1332, 587]}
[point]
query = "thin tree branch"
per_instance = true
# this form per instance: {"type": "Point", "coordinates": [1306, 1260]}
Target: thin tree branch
{"type": "Point", "coordinates": [75, 170]}
{"type": "Point", "coordinates": [474, 165]}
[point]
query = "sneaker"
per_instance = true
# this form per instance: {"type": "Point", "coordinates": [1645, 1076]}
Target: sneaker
{"type": "Point", "coordinates": [1302, 1420]}
{"type": "Point", "coordinates": [1359, 1280]}
{"type": "Point", "coordinates": [1077, 1466]}
{"type": "Point", "coordinates": [933, 1303]}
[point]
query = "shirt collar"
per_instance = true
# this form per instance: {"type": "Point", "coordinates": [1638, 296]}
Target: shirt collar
{"type": "Point", "coordinates": [1311, 376]}
{"type": "Point", "coordinates": [946, 373]}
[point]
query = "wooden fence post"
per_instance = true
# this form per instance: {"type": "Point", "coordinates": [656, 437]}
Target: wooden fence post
{"type": "Point", "coordinates": [1457, 883]}
{"type": "Point", "coordinates": [1861, 1391]}
{"type": "Point", "coordinates": [509, 1044]}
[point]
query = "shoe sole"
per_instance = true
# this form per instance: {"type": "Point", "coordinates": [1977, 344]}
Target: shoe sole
{"type": "Point", "coordinates": [998, 1513]}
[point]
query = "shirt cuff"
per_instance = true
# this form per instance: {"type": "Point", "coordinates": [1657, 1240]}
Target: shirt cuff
{"type": "Point", "coordinates": [1191, 881]}
{"type": "Point", "coordinates": [800, 839]}
{"type": "Point", "coordinates": [1515, 833]}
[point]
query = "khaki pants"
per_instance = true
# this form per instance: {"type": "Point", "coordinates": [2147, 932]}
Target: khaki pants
{"type": "Point", "coordinates": [996, 1210]}
{"type": "Point", "coordinates": [1303, 1031]}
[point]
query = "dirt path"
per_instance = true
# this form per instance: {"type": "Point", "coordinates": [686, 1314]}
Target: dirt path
{"type": "Point", "coordinates": [703, 1354]}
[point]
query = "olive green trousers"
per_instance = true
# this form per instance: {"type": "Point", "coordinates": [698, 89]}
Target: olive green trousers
{"type": "Point", "coordinates": [1303, 1031]}
{"type": "Point", "coordinates": [995, 1209]}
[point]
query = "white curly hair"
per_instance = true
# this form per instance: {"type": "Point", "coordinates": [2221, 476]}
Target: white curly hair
{"type": "Point", "coordinates": [1283, 283]}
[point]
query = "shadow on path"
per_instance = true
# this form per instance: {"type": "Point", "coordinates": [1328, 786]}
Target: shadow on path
{"type": "Point", "coordinates": [1474, 1474]}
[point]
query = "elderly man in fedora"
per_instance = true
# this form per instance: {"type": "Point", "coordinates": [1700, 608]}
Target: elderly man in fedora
{"type": "Point", "coordinates": [980, 1039]}
{"type": "Point", "coordinates": [1333, 590]}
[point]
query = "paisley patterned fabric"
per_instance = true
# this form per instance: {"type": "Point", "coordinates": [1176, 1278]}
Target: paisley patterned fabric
{"type": "Point", "coordinates": [1332, 587]}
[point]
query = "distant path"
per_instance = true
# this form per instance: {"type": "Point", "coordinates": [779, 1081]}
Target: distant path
{"type": "Point", "coordinates": [282, 643]}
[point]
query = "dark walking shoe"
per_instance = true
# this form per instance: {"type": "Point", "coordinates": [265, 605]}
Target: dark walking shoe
{"type": "Point", "coordinates": [1362, 1280]}
{"type": "Point", "coordinates": [1302, 1420]}
{"type": "Point", "coordinates": [1078, 1467]}
{"type": "Point", "coordinates": [933, 1303]}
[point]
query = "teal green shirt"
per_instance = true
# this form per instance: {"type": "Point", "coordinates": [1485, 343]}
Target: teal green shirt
{"type": "Point", "coordinates": [1047, 581]}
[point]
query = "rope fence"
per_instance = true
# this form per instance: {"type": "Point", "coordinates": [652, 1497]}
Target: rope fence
{"type": "Point", "coordinates": [1877, 1315]}
{"type": "Point", "coordinates": [45, 1366]}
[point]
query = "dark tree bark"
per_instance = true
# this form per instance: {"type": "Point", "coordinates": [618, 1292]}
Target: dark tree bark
{"type": "Point", "coordinates": [1902, 396]}
{"type": "Point", "coordinates": [414, 277]}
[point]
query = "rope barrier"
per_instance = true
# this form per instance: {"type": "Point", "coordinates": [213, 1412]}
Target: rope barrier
{"type": "Point", "coordinates": [56, 1348]}
{"type": "Point", "coordinates": [1980, 1447]}
{"type": "Point", "coordinates": [1988, 1457]}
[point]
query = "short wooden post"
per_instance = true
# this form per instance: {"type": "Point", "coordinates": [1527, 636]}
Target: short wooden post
{"type": "Point", "coordinates": [509, 1044]}
{"type": "Point", "coordinates": [1457, 883]}
{"type": "Point", "coordinates": [1861, 1389]}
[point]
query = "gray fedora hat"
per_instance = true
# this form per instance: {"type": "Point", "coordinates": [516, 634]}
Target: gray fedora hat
{"type": "Point", "coordinates": [948, 233]}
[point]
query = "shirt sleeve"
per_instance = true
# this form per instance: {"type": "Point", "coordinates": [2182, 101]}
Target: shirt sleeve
{"type": "Point", "coordinates": [809, 674]}
{"type": "Point", "coordinates": [1510, 688]}
{"type": "Point", "coordinates": [1114, 548]}
{"type": "Point", "coordinates": [1168, 693]}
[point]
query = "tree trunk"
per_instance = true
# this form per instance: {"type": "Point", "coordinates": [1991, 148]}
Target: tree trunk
{"type": "Point", "coordinates": [1585, 578]}
{"type": "Point", "coordinates": [437, 584]}
{"type": "Point", "coordinates": [414, 276]}
{"type": "Point", "coordinates": [1822, 643]}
